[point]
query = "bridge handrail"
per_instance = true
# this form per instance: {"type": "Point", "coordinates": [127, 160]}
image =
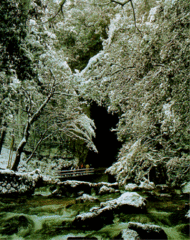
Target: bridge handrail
{"type": "Point", "coordinates": [76, 170]}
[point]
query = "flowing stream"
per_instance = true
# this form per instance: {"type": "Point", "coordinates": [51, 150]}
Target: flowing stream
{"type": "Point", "coordinates": [41, 217]}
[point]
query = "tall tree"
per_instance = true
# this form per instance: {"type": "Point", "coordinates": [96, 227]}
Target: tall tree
{"type": "Point", "coordinates": [28, 81]}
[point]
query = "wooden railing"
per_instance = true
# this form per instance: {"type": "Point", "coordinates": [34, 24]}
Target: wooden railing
{"type": "Point", "coordinates": [75, 172]}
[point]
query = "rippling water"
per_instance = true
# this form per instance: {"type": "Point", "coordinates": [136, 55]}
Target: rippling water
{"type": "Point", "coordinates": [40, 217]}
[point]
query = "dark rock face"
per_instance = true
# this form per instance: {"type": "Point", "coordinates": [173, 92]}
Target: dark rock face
{"type": "Point", "coordinates": [148, 231]}
{"type": "Point", "coordinates": [12, 183]}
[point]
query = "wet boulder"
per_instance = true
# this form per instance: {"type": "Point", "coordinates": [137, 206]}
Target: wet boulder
{"type": "Point", "coordinates": [186, 188]}
{"type": "Point", "coordinates": [99, 188]}
{"type": "Point", "coordinates": [97, 217]}
{"type": "Point", "coordinates": [131, 187]}
{"type": "Point", "coordinates": [107, 184]}
{"type": "Point", "coordinates": [107, 190]}
{"type": "Point", "coordinates": [75, 188]}
{"type": "Point", "coordinates": [72, 188]}
{"type": "Point", "coordinates": [146, 185]}
{"type": "Point", "coordinates": [128, 202]}
{"type": "Point", "coordinates": [86, 198]}
{"type": "Point", "coordinates": [16, 224]}
{"type": "Point", "coordinates": [128, 234]}
{"type": "Point", "coordinates": [147, 231]}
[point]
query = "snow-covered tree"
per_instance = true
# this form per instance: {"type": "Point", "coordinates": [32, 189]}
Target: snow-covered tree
{"type": "Point", "coordinates": [131, 57]}
{"type": "Point", "coordinates": [51, 85]}
{"type": "Point", "coordinates": [142, 74]}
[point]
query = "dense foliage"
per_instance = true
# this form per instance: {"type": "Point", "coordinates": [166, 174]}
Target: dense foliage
{"type": "Point", "coordinates": [144, 77]}
{"type": "Point", "coordinates": [14, 60]}
{"type": "Point", "coordinates": [39, 106]}
{"type": "Point", "coordinates": [131, 57]}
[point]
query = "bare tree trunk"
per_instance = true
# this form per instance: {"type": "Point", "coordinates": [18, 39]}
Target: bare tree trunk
{"type": "Point", "coordinates": [21, 147]}
{"type": "Point", "coordinates": [3, 134]}
{"type": "Point", "coordinates": [37, 145]}
{"type": "Point", "coordinates": [28, 125]}
{"type": "Point", "coordinates": [11, 150]}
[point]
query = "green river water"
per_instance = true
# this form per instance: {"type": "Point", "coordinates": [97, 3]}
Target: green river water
{"type": "Point", "coordinates": [40, 217]}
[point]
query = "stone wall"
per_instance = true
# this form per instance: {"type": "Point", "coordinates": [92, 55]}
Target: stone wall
{"type": "Point", "coordinates": [18, 183]}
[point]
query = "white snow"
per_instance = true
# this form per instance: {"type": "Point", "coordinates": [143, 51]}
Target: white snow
{"type": "Point", "coordinates": [131, 186]}
{"type": "Point", "coordinates": [147, 185]}
{"type": "Point", "coordinates": [15, 81]}
{"type": "Point", "coordinates": [188, 214]}
{"type": "Point", "coordinates": [129, 234]}
{"type": "Point", "coordinates": [115, 23]}
{"type": "Point", "coordinates": [122, 165]}
{"type": "Point", "coordinates": [91, 62]}
{"type": "Point", "coordinates": [107, 184]}
{"type": "Point", "coordinates": [104, 190]}
{"type": "Point", "coordinates": [152, 13]}
{"type": "Point", "coordinates": [74, 183]}
{"type": "Point", "coordinates": [86, 197]}
{"type": "Point", "coordinates": [169, 2]}
{"type": "Point", "coordinates": [32, 22]}
{"type": "Point", "coordinates": [4, 157]}
{"type": "Point", "coordinates": [167, 110]}
{"type": "Point", "coordinates": [128, 198]}
{"type": "Point", "coordinates": [147, 227]}
{"type": "Point", "coordinates": [50, 34]}
{"type": "Point", "coordinates": [57, 1]}
{"type": "Point", "coordinates": [186, 188]}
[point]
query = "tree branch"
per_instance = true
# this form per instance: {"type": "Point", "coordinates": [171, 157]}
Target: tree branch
{"type": "Point", "coordinates": [28, 125]}
{"type": "Point", "coordinates": [135, 17]}
{"type": "Point", "coordinates": [37, 113]}
{"type": "Point", "coordinates": [122, 4]}
{"type": "Point", "coordinates": [37, 145]}
{"type": "Point", "coordinates": [28, 109]}
{"type": "Point", "coordinates": [55, 15]}
{"type": "Point", "coordinates": [102, 4]}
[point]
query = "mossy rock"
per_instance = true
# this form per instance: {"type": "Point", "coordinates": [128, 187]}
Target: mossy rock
{"type": "Point", "coordinates": [184, 229]}
{"type": "Point", "coordinates": [16, 224]}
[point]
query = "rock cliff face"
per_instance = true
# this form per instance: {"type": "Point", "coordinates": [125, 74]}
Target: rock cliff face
{"type": "Point", "coordinates": [18, 183]}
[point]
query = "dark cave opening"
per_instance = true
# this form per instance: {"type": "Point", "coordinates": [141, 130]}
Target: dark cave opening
{"type": "Point", "coordinates": [106, 141]}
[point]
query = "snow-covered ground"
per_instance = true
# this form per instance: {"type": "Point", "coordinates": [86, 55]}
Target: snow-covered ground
{"type": "Point", "coordinates": [4, 157]}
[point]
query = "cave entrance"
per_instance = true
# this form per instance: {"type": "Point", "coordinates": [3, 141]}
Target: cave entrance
{"type": "Point", "coordinates": [106, 141]}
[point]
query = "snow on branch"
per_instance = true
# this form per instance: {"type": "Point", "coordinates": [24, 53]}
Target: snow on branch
{"type": "Point", "coordinates": [134, 15]}
{"type": "Point", "coordinates": [83, 128]}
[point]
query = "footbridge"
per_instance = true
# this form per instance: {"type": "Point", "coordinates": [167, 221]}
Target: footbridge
{"type": "Point", "coordinates": [80, 173]}
{"type": "Point", "coordinates": [74, 173]}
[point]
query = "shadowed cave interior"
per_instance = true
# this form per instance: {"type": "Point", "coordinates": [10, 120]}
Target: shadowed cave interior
{"type": "Point", "coordinates": [106, 141]}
